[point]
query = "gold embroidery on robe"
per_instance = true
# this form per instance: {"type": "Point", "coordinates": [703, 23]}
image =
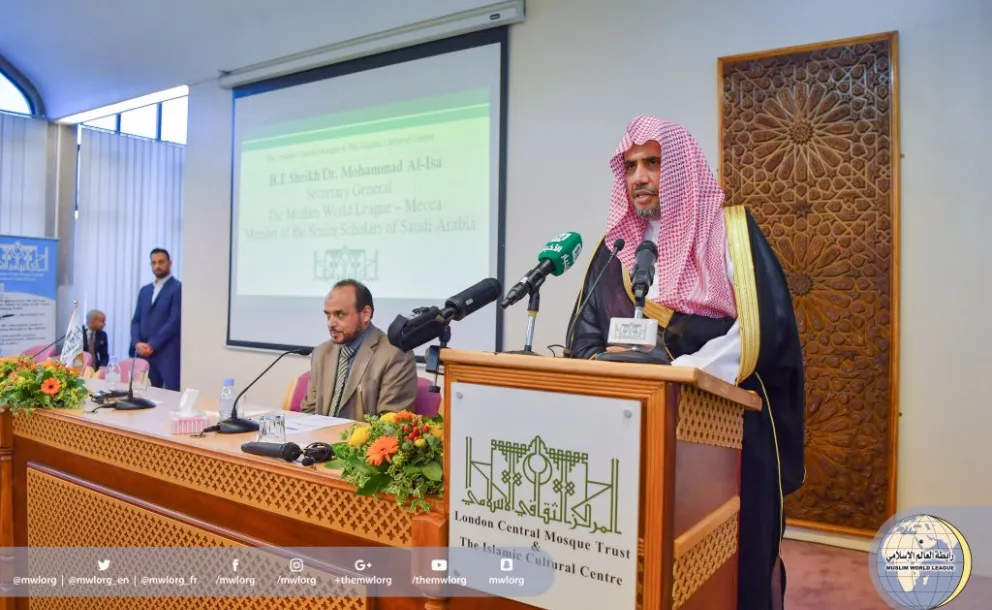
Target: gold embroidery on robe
{"type": "Point", "coordinates": [745, 288]}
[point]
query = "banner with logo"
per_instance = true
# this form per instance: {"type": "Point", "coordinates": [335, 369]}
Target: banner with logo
{"type": "Point", "coordinates": [28, 285]}
{"type": "Point", "coordinates": [547, 482]}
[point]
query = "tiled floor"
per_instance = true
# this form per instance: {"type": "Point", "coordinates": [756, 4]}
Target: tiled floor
{"type": "Point", "coordinates": [827, 578]}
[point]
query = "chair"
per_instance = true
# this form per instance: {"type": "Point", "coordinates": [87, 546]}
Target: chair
{"type": "Point", "coordinates": [40, 352]}
{"type": "Point", "coordinates": [140, 368]}
{"type": "Point", "coordinates": [87, 360]}
{"type": "Point", "coordinates": [295, 392]}
{"type": "Point", "coordinates": [427, 403]}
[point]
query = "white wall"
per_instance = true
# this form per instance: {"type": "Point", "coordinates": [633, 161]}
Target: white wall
{"type": "Point", "coordinates": [577, 77]}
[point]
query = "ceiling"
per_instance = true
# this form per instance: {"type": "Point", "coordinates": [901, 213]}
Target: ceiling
{"type": "Point", "coordinates": [84, 55]}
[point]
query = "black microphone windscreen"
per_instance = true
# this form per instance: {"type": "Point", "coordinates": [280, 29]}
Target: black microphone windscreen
{"type": "Point", "coordinates": [619, 244]}
{"type": "Point", "coordinates": [475, 297]}
{"type": "Point", "coordinates": [304, 351]}
{"type": "Point", "coordinates": [648, 245]}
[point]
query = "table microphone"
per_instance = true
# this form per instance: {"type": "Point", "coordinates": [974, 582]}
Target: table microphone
{"type": "Point", "coordinates": [237, 425]}
{"type": "Point", "coordinates": [133, 403]}
{"type": "Point", "coordinates": [617, 247]}
{"type": "Point", "coordinates": [282, 451]}
{"type": "Point", "coordinates": [35, 355]}
{"type": "Point", "coordinates": [7, 315]}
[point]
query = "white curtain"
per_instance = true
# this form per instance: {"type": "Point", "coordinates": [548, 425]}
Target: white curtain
{"type": "Point", "coordinates": [130, 200]}
{"type": "Point", "coordinates": [23, 175]}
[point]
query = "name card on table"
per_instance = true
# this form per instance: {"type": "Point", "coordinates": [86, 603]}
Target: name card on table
{"type": "Point", "coordinates": [549, 480]}
{"type": "Point", "coordinates": [633, 331]}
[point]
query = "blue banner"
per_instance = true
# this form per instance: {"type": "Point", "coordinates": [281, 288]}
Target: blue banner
{"type": "Point", "coordinates": [28, 286]}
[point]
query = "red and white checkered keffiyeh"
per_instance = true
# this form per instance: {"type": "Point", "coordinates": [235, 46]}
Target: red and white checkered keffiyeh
{"type": "Point", "coordinates": [691, 272]}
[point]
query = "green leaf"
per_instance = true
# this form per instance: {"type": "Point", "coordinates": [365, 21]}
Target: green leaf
{"type": "Point", "coordinates": [376, 482]}
{"type": "Point", "coordinates": [336, 464]}
{"type": "Point", "coordinates": [412, 470]}
{"type": "Point", "coordinates": [362, 466]}
{"type": "Point", "coordinates": [432, 471]}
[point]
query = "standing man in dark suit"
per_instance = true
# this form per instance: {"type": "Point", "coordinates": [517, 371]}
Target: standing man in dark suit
{"type": "Point", "coordinates": [95, 339]}
{"type": "Point", "coordinates": [155, 327]}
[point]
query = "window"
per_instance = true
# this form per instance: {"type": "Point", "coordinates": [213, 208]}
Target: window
{"type": "Point", "coordinates": [12, 99]}
{"type": "Point", "coordinates": [108, 122]}
{"type": "Point", "coordinates": [165, 121]}
{"type": "Point", "coordinates": [141, 122]}
{"type": "Point", "coordinates": [174, 120]}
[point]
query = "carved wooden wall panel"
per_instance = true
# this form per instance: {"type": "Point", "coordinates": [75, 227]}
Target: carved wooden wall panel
{"type": "Point", "coordinates": [809, 143]}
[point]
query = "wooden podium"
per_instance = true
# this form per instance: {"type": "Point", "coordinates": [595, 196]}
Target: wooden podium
{"type": "Point", "coordinates": [689, 484]}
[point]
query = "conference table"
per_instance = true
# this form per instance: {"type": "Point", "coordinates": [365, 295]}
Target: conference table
{"type": "Point", "coordinates": [101, 498]}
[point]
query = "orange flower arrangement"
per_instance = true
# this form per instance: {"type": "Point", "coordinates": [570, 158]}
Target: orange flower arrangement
{"type": "Point", "coordinates": [26, 385]}
{"type": "Point", "coordinates": [382, 449]}
{"type": "Point", "coordinates": [396, 453]}
{"type": "Point", "coordinates": [51, 386]}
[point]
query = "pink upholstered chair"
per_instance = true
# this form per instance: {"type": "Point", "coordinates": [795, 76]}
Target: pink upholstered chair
{"type": "Point", "coordinates": [295, 393]}
{"type": "Point", "coordinates": [42, 355]}
{"type": "Point", "coordinates": [427, 403]}
{"type": "Point", "coordinates": [141, 368]}
{"type": "Point", "coordinates": [87, 360]}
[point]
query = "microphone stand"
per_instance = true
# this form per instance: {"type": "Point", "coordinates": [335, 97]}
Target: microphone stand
{"type": "Point", "coordinates": [432, 359]}
{"type": "Point", "coordinates": [235, 424]}
{"type": "Point", "coordinates": [52, 344]}
{"type": "Point", "coordinates": [131, 403]}
{"type": "Point", "coordinates": [533, 306]}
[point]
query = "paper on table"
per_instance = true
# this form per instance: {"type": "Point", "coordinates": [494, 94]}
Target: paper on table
{"type": "Point", "coordinates": [301, 422]}
{"type": "Point", "coordinates": [242, 414]}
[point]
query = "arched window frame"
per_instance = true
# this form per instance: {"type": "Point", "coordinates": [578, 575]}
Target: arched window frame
{"type": "Point", "coordinates": [25, 86]}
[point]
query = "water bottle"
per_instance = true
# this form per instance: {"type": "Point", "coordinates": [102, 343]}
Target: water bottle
{"type": "Point", "coordinates": [227, 395]}
{"type": "Point", "coordinates": [113, 373]}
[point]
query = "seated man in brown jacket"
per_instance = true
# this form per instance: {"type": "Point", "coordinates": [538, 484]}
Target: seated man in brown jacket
{"type": "Point", "coordinates": [358, 371]}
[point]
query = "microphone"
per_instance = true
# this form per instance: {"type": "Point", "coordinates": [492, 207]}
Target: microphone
{"type": "Point", "coordinates": [35, 355]}
{"type": "Point", "coordinates": [281, 451]}
{"type": "Point", "coordinates": [236, 425]}
{"type": "Point", "coordinates": [642, 276]}
{"type": "Point", "coordinates": [131, 403]}
{"type": "Point", "coordinates": [428, 323]}
{"type": "Point", "coordinates": [617, 247]}
{"type": "Point", "coordinates": [557, 257]}
{"type": "Point", "coordinates": [7, 315]}
{"type": "Point", "coordinates": [472, 299]}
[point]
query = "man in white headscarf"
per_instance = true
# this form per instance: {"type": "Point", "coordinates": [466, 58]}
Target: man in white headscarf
{"type": "Point", "coordinates": [722, 305]}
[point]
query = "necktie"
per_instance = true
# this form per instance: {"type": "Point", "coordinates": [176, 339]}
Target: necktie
{"type": "Point", "coordinates": [92, 346]}
{"type": "Point", "coordinates": [340, 377]}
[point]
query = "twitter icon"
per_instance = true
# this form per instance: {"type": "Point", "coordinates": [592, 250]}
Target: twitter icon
{"type": "Point", "coordinates": [102, 564]}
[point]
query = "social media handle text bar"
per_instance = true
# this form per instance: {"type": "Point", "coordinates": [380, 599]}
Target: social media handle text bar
{"type": "Point", "coordinates": [272, 572]}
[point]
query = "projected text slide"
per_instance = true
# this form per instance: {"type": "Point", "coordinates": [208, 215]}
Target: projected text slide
{"type": "Point", "coordinates": [370, 194]}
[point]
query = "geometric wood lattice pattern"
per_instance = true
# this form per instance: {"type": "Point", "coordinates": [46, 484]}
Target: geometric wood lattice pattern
{"type": "Point", "coordinates": [809, 144]}
{"type": "Point", "coordinates": [331, 504]}
{"type": "Point", "coordinates": [709, 419]}
{"type": "Point", "coordinates": [64, 514]}
{"type": "Point", "coordinates": [702, 560]}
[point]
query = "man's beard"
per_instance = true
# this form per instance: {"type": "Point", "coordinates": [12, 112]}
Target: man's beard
{"type": "Point", "coordinates": [648, 213]}
{"type": "Point", "coordinates": [160, 274]}
{"type": "Point", "coordinates": [651, 212]}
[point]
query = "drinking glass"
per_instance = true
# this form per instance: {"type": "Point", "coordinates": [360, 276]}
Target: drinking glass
{"type": "Point", "coordinates": [112, 374]}
{"type": "Point", "coordinates": [272, 428]}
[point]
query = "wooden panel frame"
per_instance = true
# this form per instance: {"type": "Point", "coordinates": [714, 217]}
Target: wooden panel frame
{"type": "Point", "coordinates": [668, 394]}
{"type": "Point", "coordinates": [892, 38]}
{"type": "Point", "coordinates": [657, 475]}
